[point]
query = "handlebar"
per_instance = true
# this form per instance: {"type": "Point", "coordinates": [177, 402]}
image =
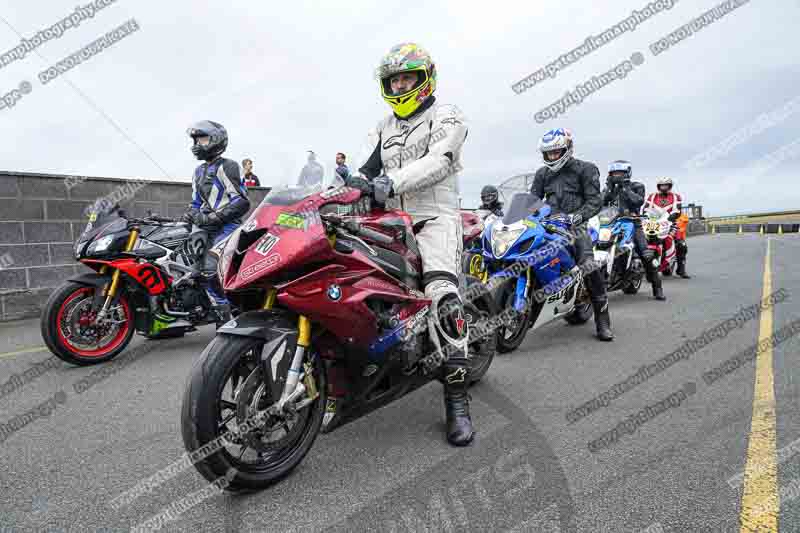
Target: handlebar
{"type": "Point", "coordinates": [375, 235]}
{"type": "Point", "coordinates": [152, 220]}
{"type": "Point", "coordinates": [355, 228]}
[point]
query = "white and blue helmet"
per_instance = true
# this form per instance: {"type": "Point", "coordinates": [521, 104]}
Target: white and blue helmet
{"type": "Point", "coordinates": [621, 166]}
{"type": "Point", "coordinates": [560, 141]}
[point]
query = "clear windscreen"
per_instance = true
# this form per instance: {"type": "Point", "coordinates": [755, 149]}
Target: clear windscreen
{"type": "Point", "coordinates": [522, 205]}
{"type": "Point", "coordinates": [291, 194]}
{"type": "Point", "coordinates": [607, 215]}
{"type": "Point", "coordinates": [520, 183]}
{"type": "Point", "coordinates": [99, 213]}
{"type": "Point", "coordinates": [654, 212]}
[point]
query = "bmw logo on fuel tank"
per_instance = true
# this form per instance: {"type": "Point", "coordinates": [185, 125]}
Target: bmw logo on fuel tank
{"type": "Point", "coordinates": [334, 292]}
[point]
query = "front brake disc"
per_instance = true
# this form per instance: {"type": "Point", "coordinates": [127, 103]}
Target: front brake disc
{"type": "Point", "coordinates": [252, 399]}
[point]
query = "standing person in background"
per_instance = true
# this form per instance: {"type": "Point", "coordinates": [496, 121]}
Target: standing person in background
{"type": "Point", "coordinates": [250, 179]}
{"type": "Point", "coordinates": [312, 173]}
{"type": "Point", "coordinates": [341, 169]}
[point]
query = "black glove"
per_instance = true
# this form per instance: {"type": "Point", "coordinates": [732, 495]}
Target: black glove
{"type": "Point", "coordinates": [382, 189]}
{"type": "Point", "coordinates": [357, 182]}
{"type": "Point", "coordinates": [188, 217]}
{"type": "Point", "coordinates": [207, 219]}
{"type": "Point", "coordinates": [674, 216]}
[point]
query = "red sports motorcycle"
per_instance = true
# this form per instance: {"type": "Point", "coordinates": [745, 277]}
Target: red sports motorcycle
{"type": "Point", "coordinates": [146, 279]}
{"type": "Point", "coordinates": [660, 234]}
{"type": "Point", "coordinates": [333, 326]}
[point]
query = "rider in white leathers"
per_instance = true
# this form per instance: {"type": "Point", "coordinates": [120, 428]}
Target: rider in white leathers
{"type": "Point", "coordinates": [414, 155]}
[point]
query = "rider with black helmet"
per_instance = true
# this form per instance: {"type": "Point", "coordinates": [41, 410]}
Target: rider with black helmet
{"type": "Point", "coordinates": [490, 199]}
{"type": "Point", "coordinates": [219, 201]}
{"type": "Point", "coordinates": [628, 197]}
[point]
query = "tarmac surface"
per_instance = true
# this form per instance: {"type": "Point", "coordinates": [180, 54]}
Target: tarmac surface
{"type": "Point", "coordinates": [530, 468]}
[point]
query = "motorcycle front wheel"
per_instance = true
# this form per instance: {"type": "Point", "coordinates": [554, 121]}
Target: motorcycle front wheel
{"type": "Point", "coordinates": [226, 390]}
{"type": "Point", "coordinates": [510, 337]}
{"type": "Point", "coordinates": [70, 329]}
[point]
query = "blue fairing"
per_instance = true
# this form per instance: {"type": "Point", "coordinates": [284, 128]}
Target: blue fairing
{"type": "Point", "coordinates": [593, 234]}
{"type": "Point", "coordinates": [624, 229]}
{"type": "Point", "coordinates": [547, 264]}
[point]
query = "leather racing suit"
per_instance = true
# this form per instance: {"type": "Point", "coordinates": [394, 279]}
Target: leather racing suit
{"type": "Point", "coordinates": [672, 202]}
{"type": "Point", "coordinates": [421, 154]}
{"type": "Point", "coordinates": [575, 189]}
{"type": "Point", "coordinates": [217, 187]}
{"type": "Point", "coordinates": [628, 197]}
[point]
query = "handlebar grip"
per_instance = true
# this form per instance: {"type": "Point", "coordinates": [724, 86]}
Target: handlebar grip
{"type": "Point", "coordinates": [375, 235]}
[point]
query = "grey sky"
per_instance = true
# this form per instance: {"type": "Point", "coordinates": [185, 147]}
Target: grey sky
{"type": "Point", "coordinates": [292, 76]}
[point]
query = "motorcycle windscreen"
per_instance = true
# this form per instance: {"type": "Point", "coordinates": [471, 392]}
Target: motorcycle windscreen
{"type": "Point", "coordinates": [524, 205]}
{"type": "Point", "coordinates": [607, 215]}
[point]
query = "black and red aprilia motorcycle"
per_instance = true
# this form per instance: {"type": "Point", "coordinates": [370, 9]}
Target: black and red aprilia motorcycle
{"type": "Point", "coordinates": [146, 279]}
{"type": "Point", "coordinates": [334, 326]}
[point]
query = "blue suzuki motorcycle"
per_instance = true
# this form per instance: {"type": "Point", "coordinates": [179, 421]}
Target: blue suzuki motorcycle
{"type": "Point", "coordinates": [527, 260]}
{"type": "Point", "coordinates": [614, 248]}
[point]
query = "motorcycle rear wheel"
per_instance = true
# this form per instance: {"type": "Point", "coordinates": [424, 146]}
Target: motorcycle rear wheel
{"type": "Point", "coordinates": [227, 358]}
{"type": "Point", "coordinates": [483, 350]}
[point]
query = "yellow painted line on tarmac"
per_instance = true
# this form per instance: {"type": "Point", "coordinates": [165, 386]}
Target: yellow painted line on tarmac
{"type": "Point", "coordinates": [26, 350]}
{"type": "Point", "coordinates": [760, 502]}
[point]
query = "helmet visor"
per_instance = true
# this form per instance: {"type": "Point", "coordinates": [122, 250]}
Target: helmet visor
{"type": "Point", "coordinates": [401, 88]}
{"type": "Point", "coordinates": [554, 155]}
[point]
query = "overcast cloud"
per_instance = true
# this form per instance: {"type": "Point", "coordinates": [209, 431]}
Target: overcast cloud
{"type": "Point", "coordinates": [286, 77]}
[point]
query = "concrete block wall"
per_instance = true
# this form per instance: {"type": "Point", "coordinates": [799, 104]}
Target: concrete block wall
{"type": "Point", "coordinates": [41, 215]}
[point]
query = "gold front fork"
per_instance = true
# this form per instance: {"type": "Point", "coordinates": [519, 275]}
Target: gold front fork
{"type": "Point", "coordinates": [110, 290]}
{"type": "Point", "coordinates": [304, 328]}
{"type": "Point", "coordinates": [269, 302]}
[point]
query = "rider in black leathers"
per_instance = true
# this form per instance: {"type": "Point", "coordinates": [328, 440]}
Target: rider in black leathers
{"type": "Point", "coordinates": [628, 197]}
{"type": "Point", "coordinates": [490, 201]}
{"type": "Point", "coordinates": [572, 187]}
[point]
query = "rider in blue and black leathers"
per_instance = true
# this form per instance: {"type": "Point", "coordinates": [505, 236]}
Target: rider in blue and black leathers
{"type": "Point", "coordinates": [219, 200]}
{"type": "Point", "coordinates": [628, 196]}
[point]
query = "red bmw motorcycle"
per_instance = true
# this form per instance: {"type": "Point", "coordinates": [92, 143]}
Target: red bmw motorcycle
{"type": "Point", "coordinates": [333, 326]}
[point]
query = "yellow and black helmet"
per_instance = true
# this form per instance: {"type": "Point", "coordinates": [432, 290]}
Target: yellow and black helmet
{"type": "Point", "coordinates": [407, 57]}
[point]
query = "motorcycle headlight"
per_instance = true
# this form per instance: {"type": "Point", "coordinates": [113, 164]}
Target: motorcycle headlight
{"type": "Point", "coordinates": [503, 239]}
{"type": "Point", "coordinates": [101, 244]}
{"type": "Point", "coordinates": [605, 234]}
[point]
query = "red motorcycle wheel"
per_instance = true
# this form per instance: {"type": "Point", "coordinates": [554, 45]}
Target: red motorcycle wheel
{"type": "Point", "coordinates": [69, 330]}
